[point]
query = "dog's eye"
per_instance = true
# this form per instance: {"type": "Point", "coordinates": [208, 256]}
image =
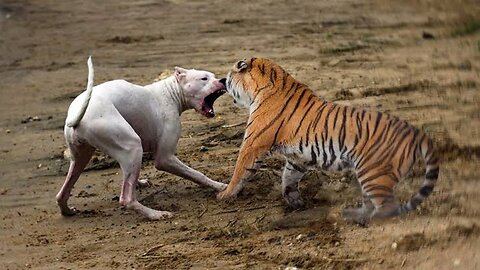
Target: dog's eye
{"type": "Point", "coordinates": [204, 78]}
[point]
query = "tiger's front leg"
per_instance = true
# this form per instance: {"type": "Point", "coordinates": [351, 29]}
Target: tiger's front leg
{"type": "Point", "coordinates": [244, 169]}
{"type": "Point", "coordinates": [292, 174]}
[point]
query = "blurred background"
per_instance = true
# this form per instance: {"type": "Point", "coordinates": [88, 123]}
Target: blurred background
{"type": "Point", "coordinates": [416, 59]}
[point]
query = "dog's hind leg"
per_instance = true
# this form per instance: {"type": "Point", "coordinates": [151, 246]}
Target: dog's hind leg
{"type": "Point", "coordinates": [80, 155]}
{"type": "Point", "coordinates": [119, 140]}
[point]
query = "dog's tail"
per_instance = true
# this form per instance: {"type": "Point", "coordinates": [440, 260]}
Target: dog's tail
{"type": "Point", "coordinates": [74, 118]}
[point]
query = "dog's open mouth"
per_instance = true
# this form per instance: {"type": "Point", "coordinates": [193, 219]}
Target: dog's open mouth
{"type": "Point", "coordinates": [207, 105]}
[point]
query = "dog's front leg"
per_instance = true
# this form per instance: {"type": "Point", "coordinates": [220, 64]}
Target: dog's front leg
{"type": "Point", "coordinates": [173, 165]}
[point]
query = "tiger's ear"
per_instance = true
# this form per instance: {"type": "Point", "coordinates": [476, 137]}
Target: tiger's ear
{"type": "Point", "coordinates": [241, 65]}
{"type": "Point", "coordinates": [180, 73]}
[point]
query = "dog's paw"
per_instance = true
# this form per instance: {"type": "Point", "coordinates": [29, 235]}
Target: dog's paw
{"type": "Point", "coordinates": [158, 215]}
{"type": "Point", "coordinates": [220, 186]}
{"type": "Point", "coordinates": [69, 211]}
{"type": "Point", "coordinates": [141, 183]}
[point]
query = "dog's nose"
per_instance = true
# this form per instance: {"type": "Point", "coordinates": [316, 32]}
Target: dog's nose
{"type": "Point", "coordinates": [224, 82]}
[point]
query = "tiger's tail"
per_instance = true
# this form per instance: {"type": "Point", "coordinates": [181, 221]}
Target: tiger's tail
{"type": "Point", "coordinates": [75, 118]}
{"type": "Point", "coordinates": [431, 159]}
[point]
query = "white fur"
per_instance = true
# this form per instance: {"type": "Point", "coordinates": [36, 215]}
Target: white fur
{"type": "Point", "coordinates": [124, 120]}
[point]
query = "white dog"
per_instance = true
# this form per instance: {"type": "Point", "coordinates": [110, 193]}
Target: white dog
{"type": "Point", "coordinates": [123, 120]}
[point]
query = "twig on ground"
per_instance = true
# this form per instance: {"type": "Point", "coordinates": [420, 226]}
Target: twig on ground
{"type": "Point", "coordinates": [203, 212]}
{"type": "Point", "coordinates": [246, 209]}
{"type": "Point", "coordinates": [233, 125]}
{"type": "Point", "coordinates": [344, 260]}
{"type": "Point", "coordinates": [145, 254]}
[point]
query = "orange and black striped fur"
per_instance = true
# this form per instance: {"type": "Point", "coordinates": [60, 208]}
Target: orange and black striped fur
{"type": "Point", "coordinates": [288, 118]}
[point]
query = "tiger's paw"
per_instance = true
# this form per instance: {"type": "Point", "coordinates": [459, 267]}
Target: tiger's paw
{"type": "Point", "coordinates": [226, 195]}
{"type": "Point", "coordinates": [360, 216]}
{"type": "Point", "coordinates": [294, 199]}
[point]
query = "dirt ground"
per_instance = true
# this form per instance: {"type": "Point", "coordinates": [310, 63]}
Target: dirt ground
{"type": "Point", "coordinates": [417, 59]}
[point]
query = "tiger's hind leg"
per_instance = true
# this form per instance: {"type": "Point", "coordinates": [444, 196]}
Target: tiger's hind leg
{"type": "Point", "coordinates": [292, 174]}
{"type": "Point", "coordinates": [378, 202]}
{"type": "Point", "coordinates": [362, 214]}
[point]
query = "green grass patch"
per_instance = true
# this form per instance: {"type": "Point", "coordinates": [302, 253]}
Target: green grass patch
{"type": "Point", "coordinates": [470, 27]}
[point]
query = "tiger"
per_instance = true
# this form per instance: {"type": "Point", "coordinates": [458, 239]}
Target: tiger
{"type": "Point", "coordinates": [286, 117]}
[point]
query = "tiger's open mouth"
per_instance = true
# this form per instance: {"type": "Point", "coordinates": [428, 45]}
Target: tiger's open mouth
{"type": "Point", "coordinates": [207, 105]}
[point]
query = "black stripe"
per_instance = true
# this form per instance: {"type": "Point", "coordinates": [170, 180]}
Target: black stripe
{"type": "Point", "coordinates": [377, 122]}
{"type": "Point", "coordinates": [316, 144]}
{"type": "Point", "coordinates": [362, 115]}
{"type": "Point", "coordinates": [313, 124]}
{"type": "Point", "coordinates": [373, 196]}
{"type": "Point", "coordinates": [296, 167]}
{"type": "Point", "coordinates": [335, 119]}
{"type": "Point", "coordinates": [371, 187]}
{"type": "Point", "coordinates": [341, 140]}
{"type": "Point", "coordinates": [273, 76]}
{"type": "Point", "coordinates": [274, 119]}
{"type": "Point", "coordinates": [314, 156]}
{"type": "Point", "coordinates": [398, 144]}
{"type": "Point", "coordinates": [432, 174]}
{"type": "Point", "coordinates": [298, 103]}
{"type": "Point", "coordinates": [319, 114]}
{"type": "Point", "coordinates": [352, 111]}
{"type": "Point", "coordinates": [377, 144]}
{"type": "Point", "coordinates": [276, 134]}
{"type": "Point", "coordinates": [382, 173]}
{"type": "Point", "coordinates": [300, 145]}
{"type": "Point", "coordinates": [360, 151]}
{"type": "Point", "coordinates": [425, 191]}
{"type": "Point", "coordinates": [386, 153]}
{"type": "Point", "coordinates": [284, 81]}
{"type": "Point", "coordinates": [333, 157]}
{"type": "Point", "coordinates": [303, 118]}
{"type": "Point", "coordinates": [325, 127]}
{"type": "Point", "coordinates": [262, 69]}
{"type": "Point", "coordinates": [324, 154]}
{"type": "Point", "coordinates": [384, 170]}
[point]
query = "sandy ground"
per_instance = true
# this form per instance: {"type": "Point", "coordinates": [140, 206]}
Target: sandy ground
{"type": "Point", "coordinates": [417, 59]}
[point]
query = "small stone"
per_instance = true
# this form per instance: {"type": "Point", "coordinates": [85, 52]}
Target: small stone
{"type": "Point", "coordinates": [299, 237]}
{"type": "Point", "coordinates": [8, 131]}
{"type": "Point", "coordinates": [394, 245]}
{"type": "Point", "coordinates": [456, 262]}
{"type": "Point", "coordinates": [39, 165]}
{"type": "Point", "coordinates": [427, 35]}
{"type": "Point", "coordinates": [203, 148]}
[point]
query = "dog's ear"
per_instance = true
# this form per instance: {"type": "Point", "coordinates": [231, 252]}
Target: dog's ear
{"type": "Point", "coordinates": [180, 73]}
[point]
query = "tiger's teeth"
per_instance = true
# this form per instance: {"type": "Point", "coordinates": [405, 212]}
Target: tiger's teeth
{"type": "Point", "coordinates": [210, 111]}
